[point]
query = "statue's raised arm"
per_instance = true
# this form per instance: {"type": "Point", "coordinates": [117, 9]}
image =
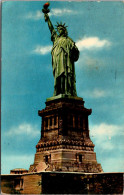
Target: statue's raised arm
{"type": "Point", "coordinates": [45, 10]}
{"type": "Point", "coordinates": [47, 19]}
{"type": "Point", "coordinates": [64, 54]}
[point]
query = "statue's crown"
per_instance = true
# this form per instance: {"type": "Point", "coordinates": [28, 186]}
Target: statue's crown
{"type": "Point", "coordinates": [61, 25]}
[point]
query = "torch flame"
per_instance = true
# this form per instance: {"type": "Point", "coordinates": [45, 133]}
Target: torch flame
{"type": "Point", "coordinates": [46, 5]}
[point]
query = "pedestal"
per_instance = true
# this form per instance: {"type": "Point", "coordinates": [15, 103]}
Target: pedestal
{"type": "Point", "coordinates": [65, 144]}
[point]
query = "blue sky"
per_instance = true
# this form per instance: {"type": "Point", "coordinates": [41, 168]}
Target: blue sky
{"type": "Point", "coordinates": [27, 80]}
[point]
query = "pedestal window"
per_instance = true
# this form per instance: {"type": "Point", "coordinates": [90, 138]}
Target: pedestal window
{"type": "Point", "coordinates": [50, 121]}
{"type": "Point", "coordinates": [80, 157]}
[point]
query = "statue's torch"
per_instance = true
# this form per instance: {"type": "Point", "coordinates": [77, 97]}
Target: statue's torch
{"type": "Point", "coordinates": [45, 9]}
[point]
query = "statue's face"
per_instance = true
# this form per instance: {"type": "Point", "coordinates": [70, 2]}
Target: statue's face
{"type": "Point", "coordinates": [60, 30]}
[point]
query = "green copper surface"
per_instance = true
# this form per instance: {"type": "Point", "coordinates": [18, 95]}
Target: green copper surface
{"type": "Point", "coordinates": [64, 54]}
{"type": "Point", "coordinates": [63, 96]}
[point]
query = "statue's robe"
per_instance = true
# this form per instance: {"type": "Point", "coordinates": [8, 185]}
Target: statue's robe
{"type": "Point", "coordinates": [64, 53]}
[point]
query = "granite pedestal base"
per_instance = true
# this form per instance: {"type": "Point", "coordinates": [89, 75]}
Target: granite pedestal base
{"type": "Point", "coordinates": [65, 144]}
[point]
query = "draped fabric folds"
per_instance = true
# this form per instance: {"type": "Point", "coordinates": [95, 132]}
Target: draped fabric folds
{"type": "Point", "coordinates": [64, 53]}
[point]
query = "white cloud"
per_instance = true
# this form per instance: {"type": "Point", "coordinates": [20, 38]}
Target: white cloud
{"type": "Point", "coordinates": [103, 134]}
{"type": "Point", "coordinates": [42, 50]}
{"type": "Point", "coordinates": [34, 15]}
{"type": "Point", "coordinates": [96, 93]}
{"type": "Point", "coordinates": [24, 129]}
{"type": "Point", "coordinates": [107, 129]}
{"type": "Point", "coordinates": [53, 12]}
{"type": "Point", "coordinates": [88, 43]}
{"type": "Point", "coordinates": [60, 12]}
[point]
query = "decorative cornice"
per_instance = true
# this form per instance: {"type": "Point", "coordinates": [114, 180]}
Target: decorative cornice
{"type": "Point", "coordinates": [61, 106]}
{"type": "Point", "coordinates": [63, 143]}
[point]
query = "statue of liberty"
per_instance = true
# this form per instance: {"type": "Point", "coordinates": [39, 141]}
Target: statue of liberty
{"type": "Point", "coordinates": [64, 54]}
